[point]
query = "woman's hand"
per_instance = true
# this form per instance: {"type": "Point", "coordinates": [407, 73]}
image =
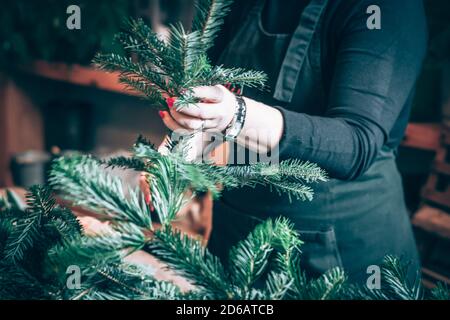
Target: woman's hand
{"type": "Point", "coordinates": [213, 113]}
{"type": "Point", "coordinates": [262, 130]}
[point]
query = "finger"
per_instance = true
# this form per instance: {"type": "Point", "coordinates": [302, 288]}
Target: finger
{"type": "Point", "coordinates": [172, 124]}
{"type": "Point", "coordinates": [170, 101]}
{"type": "Point", "coordinates": [186, 121]}
{"type": "Point", "coordinates": [202, 111]}
{"type": "Point", "coordinates": [192, 123]}
{"type": "Point", "coordinates": [210, 94]}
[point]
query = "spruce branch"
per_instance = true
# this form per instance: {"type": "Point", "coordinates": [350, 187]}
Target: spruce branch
{"type": "Point", "coordinates": [38, 243]}
{"type": "Point", "coordinates": [209, 19]}
{"type": "Point", "coordinates": [395, 278]}
{"type": "Point", "coordinates": [327, 287]}
{"type": "Point", "coordinates": [250, 257]}
{"type": "Point", "coordinates": [125, 282]}
{"type": "Point", "coordinates": [84, 181]}
{"type": "Point", "coordinates": [27, 229]}
{"type": "Point", "coordinates": [189, 258]}
{"type": "Point", "coordinates": [173, 68]}
{"type": "Point", "coordinates": [277, 285]}
{"type": "Point", "coordinates": [440, 292]}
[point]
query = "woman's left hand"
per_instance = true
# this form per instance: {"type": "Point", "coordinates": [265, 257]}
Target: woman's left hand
{"type": "Point", "coordinates": [213, 113]}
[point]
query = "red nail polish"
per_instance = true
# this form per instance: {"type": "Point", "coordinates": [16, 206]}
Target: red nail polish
{"type": "Point", "coordinates": [170, 101]}
{"type": "Point", "coordinates": [147, 199]}
{"type": "Point", "coordinates": [152, 208]}
{"type": "Point", "coordinates": [162, 114]}
{"type": "Point", "coordinates": [232, 90]}
{"type": "Point", "coordinates": [238, 91]}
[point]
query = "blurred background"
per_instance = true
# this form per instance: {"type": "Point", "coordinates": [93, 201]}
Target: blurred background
{"type": "Point", "coordinates": [53, 102]}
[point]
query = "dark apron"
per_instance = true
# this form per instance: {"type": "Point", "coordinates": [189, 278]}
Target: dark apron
{"type": "Point", "coordinates": [351, 224]}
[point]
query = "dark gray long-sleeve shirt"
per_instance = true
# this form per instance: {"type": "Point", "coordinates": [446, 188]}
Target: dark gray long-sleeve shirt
{"type": "Point", "coordinates": [369, 76]}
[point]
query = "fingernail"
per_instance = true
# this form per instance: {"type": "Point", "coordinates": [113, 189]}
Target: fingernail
{"type": "Point", "coordinates": [152, 208]}
{"type": "Point", "coordinates": [170, 101]}
{"type": "Point", "coordinates": [147, 199]}
{"type": "Point", "coordinates": [162, 114]}
{"type": "Point", "coordinates": [232, 90]}
{"type": "Point", "coordinates": [238, 91]}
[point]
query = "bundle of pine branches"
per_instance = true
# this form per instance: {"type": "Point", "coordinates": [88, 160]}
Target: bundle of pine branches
{"type": "Point", "coordinates": [40, 243]}
{"type": "Point", "coordinates": [159, 69]}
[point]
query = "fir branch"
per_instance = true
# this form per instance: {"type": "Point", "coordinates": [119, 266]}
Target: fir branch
{"type": "Point", "coordinates": [172, 69]}
{"type": "Point", "coordinates": [236, 76]}
{"type": "Point", "coordinates": [395, 278]}
{"type": "Point", "coordinates": [440, 292]}
{"type": "Point", "coordinates": [126, 163]}
{"type": "Point", "coordinates": [328, 286]}
{"type": "Point", "coordinates": [292, 189]}
{"type": "Point", "coordinates": [64, 222]}
{"type": "Point", "coordinates": [249, 258]}
{"type": "Point", "coordinates": [124, 282]}
{"type": "Point", "coordinates": [84, 181]}
{"type": "Point", "coordinates": [106, 249]}
{"type": "Point", "coordinates": [394, 284]}
{"type": "Point", "coordinates": [155, 80]}
{"type": "Point", "coordinates": [148, 90]}
{"type": "Point", "coordinates": [22, 237]}
{"type": "Point", "coordinates": [146, 43]}
{"type": "Point", "coordinates": [14, 202]}
{"type": "Point", "coordinates": [27, 229]}
{"type": "Point", "coordinates": [18, 284]}
{"type": "Point", "coordinates": [277, 285]}
{"type": "Point", "coordinates": [189, 258]}
{"type": "Point", "coordinates": [209, 19]}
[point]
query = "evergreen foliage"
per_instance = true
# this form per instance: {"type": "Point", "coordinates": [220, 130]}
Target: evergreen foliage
{"type": "Point", "coordinates": [160, 69]}
{"type": "Point", "coordinates": [41, 243]}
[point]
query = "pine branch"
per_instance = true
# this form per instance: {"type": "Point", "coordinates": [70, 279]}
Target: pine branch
{"type": "Point", "coordinates": [23, 236]}
{"type": "Point", "coordinates": [17, 284]}
{"type": "Point", "coordinates": [394, 284]}
{"type": "Point", "coordinates": [237, 76]}
{"type": "Point", "coordinates": [13, 200]}
{"type": "Point", "coordinates": [84, 181]}
{"type": "Point", "coordinates": [277, 285]}
{"type": "Point", "coordinates": [126, 163]}
{"type": "Point", "coordinates": [189, 258]}
{"type": "Point", "coordinates": [250, 257]}
{"type": "Point", "coordinates": [27, 230]}
{"type": "Point", "coordinates": [132, 73]}
{"type": "Point", "coordinates": [147, 45]}
{"type": "Point", "coordinates": [172, 69]}
{"type": "Point", "coordinates": [209, 19]}
{"type": "Point", "coordinates": [149, 91]}
{"type": "Point", "coordinates": [328, 286]}
{"type": "Point", "coordinates": [186, 47]}
{"type": "Point", "coordinates": [124, 282]}
{"type": "Point", "coordinates": [395, 278]}
{"type": "Point", "coordinates": [440, 292]}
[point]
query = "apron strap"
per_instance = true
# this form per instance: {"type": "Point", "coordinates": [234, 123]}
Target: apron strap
{"type": "Point", "coordinates": [297, 50]}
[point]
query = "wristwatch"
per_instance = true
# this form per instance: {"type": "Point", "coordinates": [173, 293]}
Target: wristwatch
{"type": "Point", "coordinates": [237, 123]}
